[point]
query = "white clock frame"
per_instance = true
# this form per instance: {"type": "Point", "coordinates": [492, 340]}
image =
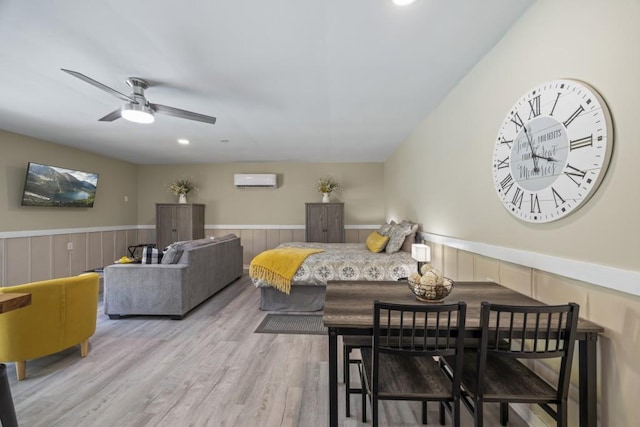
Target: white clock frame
{"type": "Point", "coordinates": [552, 150]}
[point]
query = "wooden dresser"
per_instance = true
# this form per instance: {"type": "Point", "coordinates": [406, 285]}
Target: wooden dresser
{"type": "Point", "coordinates": [325, 222]}
{"type": "Point", "coordinates": [178, 221]}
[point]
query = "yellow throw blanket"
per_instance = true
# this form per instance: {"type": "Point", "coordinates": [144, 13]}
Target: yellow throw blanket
{"type": "Point", "coordinates": [278, 266]}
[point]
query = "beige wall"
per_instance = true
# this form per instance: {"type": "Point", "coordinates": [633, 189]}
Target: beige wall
{"type": "Point", "coordinates": [226, 204]}
{"type": "Point", "coordinates": [585, 40]}
{"type": "Point", "coordinates": [116, 179]}
{"type": "Point", "coordinates": [34, 241]}
{"type": "Point", "coordinates": [27, 254]}
{"type": "Point", "coordinates": [447, 160]}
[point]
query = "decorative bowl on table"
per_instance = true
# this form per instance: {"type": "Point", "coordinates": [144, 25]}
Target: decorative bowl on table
{"type": "Point", "coordinates": [430, 286]}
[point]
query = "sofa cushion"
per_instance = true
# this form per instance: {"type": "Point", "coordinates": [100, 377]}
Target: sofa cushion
{"type": "Point", "coordinates": [171, 255]}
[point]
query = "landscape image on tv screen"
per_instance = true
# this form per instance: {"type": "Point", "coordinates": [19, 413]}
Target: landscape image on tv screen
{"type": "Point", "coordinates": [58, 187]}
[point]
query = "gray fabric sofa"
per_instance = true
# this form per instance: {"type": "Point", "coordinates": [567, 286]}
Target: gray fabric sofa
{"type": "Point", "coordinates": [203, 268]}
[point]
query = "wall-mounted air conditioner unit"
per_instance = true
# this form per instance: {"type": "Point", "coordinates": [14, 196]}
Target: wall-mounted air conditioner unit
{"type": "Point", "coordinates": [255, 180]}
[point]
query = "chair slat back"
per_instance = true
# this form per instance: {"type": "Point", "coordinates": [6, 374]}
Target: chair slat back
{"type": "Point", "coordinates": [427, 330]}
{"type": "Point", "coordinates": [529, 332]}
{"type": "Point", "coordinates": [424, 330]}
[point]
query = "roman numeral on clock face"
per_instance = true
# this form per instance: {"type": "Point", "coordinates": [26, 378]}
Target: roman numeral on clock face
{"type": "Point", "coordinates": [573, 116]}
{"type": "Point", "coordinates": [554, 104]}
{"type": "Point", "coordinates": [557, 197]}
{"type": "Point", "coordinates": [517, 198]}
{"type": "Point", "coordinates": [587, 141]}
{"type": "Point", "coordinates": [503, 163]}
{"type": "Point", "coordinates": [535, 203]}
{"type": "Point", "coordinates": [516, 120]}
{"type": "Point", "coordinates": [506, 184]}
{"type": "Point", "coordinates": [534, 105]}
{"type": "Point", "coordinates": [503, 140]}
{"type": "Point", "coordinates": [574, 174]}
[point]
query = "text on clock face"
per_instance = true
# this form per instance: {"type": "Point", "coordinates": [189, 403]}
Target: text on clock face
{"type": "Point", "coordinates": [549, 136]}
{"type": "Point", "coordinates": [539, 153]}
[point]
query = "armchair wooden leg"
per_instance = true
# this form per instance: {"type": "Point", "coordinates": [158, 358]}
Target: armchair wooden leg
{"type": "Point", "coordinates": [84, 348]}
{"type": "Point", "coordinates": [21, 369]}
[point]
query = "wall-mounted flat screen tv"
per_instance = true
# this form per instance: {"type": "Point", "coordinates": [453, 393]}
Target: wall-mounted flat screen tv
{"type": "Point", "coordinates": [48, 186]}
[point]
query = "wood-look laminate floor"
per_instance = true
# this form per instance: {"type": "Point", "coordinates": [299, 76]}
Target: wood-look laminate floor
{"type": "Point", "coordinates": [209, 369]}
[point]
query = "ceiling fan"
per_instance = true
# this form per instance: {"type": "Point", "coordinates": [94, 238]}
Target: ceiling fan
{"type": "Point", "coordinates": [136, 108]}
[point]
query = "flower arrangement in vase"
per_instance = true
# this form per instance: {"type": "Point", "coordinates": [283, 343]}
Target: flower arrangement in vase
{"type": "Point", "coordinates": [430, 285]}
{"type": "Point", "coordinates": [180, 188]}
{"type": "Point", "coordinates": [326, 186]}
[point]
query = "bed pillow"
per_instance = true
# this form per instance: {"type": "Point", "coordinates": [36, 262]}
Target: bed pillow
{"type": "Point", "coordinates": [411, 238]}
{"type": "Point", "coordinates": [385, 228]}
{"type": "Point", "coordinates": [376, 242]}
{"type": "Point", "coordinates": [396, 237]}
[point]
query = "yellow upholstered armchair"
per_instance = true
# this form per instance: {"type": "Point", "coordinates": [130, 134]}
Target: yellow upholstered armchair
{"type": "Point", "coordinates": [62, 314]}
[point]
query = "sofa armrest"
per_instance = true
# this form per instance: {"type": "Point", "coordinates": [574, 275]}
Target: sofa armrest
{"type": "Point", "coordinates": [145, 289]}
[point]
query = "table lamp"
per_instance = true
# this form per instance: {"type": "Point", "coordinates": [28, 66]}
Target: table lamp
{"type": "Point", "coordinates": [421, 253]}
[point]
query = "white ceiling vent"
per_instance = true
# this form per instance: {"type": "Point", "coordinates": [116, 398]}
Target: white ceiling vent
{"type": "Point", "coordinates": [255, 180]}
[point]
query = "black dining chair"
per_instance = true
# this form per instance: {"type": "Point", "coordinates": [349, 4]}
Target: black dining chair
{"type": "Point", "coordinates": [403, 363]}
{"type": "Point", "coordinates": [349, 344]}
{"type": "Point", "coordinates": [511, 336]}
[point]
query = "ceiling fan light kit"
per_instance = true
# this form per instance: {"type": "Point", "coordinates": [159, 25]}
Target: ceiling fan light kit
{"type": "Point", "coordinates": [136, 108]}
{"type": "Point", "coordinates": [137, 113]}
{"type": "Point", "coordinates": [403, 2]}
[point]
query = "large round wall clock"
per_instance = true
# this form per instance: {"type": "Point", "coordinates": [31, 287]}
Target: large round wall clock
{"type": "Point", "coordinates": [552, 150]}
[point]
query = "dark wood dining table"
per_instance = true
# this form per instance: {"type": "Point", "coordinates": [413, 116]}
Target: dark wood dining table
{"type": "Point", "coordinates": [10, 302]}
{"type": "Point", "coordinates": [13, 301]}
{"type": "Point", "coordinates": [348, 310]}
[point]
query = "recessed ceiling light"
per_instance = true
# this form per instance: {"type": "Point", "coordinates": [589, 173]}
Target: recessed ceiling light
{"type": "Point", "coordinates": [183, 141]}
{"type": "Point", "coordinates": [403, 2]}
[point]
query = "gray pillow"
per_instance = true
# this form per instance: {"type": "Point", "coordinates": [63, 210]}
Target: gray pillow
{"type": "Point", "coordinates": [385, 228]}
{"type": "Point", "coordinates": [171, 255]}
{"type": "Point", "coordinates": [396, 237]}
{"type": "Point", "coordinates": [411, 237]}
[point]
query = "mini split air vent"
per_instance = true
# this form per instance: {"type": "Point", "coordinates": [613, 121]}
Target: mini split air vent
{"type": "Point", "coordinates": [259, 180]}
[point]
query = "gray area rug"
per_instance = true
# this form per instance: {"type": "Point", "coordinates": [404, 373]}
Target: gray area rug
{"type": "Point", "coordinates": [292, 324]}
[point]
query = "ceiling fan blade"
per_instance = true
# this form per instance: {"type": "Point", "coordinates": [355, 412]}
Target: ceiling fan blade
{"type": "Point", "coordinates": [182, 114]}
{"type": "Point", "coordinates": [114, 115]}
{"type": "Point", "coordinates": [99, 85]}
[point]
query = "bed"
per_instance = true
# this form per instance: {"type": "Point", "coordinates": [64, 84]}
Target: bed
{"type": "Point", "coordinates": [338, 261]}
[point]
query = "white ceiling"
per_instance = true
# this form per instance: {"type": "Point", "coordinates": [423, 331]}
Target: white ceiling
{"type": "Point", "coordinates": [288, 80]}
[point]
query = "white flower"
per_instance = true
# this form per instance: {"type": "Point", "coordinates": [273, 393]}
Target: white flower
{"type": "Point", "coordinates": [327, 185]}
{"type": "Point", "coordinates": [181, 186]}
